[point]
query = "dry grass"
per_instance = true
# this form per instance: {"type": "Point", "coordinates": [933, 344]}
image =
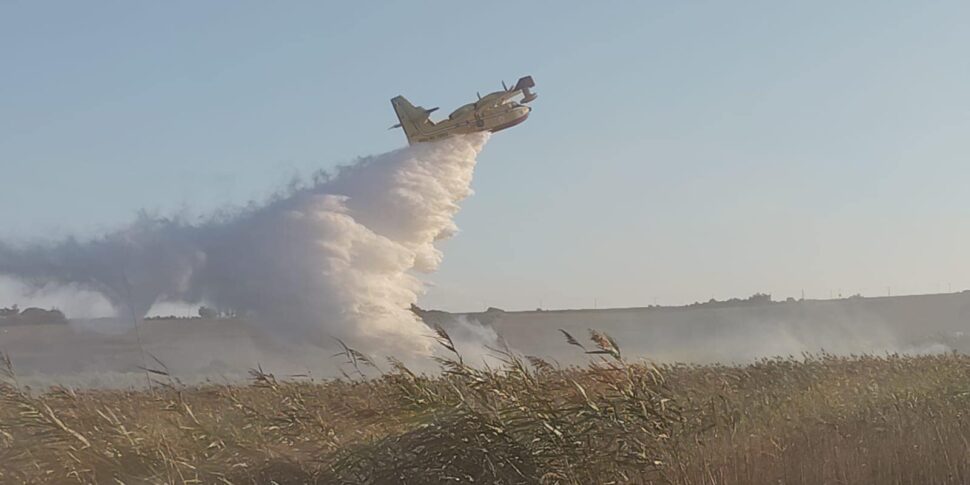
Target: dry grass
{"type": "Point", "coordinates": [816, 419]}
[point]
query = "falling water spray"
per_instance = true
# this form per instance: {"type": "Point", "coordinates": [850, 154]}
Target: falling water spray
{"type": "Point", "coordinates": [339, 256]}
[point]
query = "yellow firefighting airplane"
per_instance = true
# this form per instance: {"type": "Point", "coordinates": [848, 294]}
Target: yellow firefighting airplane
{"type": "Point", "coordinates": [492, 112]}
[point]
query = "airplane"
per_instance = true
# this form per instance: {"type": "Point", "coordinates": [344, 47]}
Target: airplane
{"type": "Point", "coordinates": [492, 112]}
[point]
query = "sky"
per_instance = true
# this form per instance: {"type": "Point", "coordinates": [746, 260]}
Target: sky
{"type": "Point", "coordinates": [678, 151]}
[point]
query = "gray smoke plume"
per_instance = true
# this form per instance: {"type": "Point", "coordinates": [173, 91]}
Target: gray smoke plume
{"type": "Point", "coordinates": [334, 257]}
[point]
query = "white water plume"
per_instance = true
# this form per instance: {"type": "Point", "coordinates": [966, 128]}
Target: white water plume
{"type": "Point", "coordinates": [334, 258]}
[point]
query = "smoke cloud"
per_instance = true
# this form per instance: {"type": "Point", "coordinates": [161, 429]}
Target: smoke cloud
{"type": "Point", "coordinates": [335, 257]}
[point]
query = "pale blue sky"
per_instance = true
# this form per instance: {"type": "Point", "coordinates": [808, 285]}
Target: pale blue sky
{"type": "Point", "coordinates": [677, 151]}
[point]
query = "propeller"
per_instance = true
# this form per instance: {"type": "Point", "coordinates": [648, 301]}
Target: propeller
{"type": "Point", "coordinates": [504, 86]}
{"type": "Point", "coordinates": [395, 126]}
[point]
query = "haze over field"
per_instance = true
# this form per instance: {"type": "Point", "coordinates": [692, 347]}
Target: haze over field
{"type": "Point", "coordinates": [109, 353]}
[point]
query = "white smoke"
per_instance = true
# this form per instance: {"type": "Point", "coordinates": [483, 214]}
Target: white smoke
{"type": "Point", "coordinates": [333, 258]}
{"type": "Point", "coordinates": [474, 340]}
{"type": "Point", "coordinates": [70, 299]}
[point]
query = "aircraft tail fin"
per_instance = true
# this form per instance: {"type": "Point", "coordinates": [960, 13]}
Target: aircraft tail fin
{"type": "Point", "coordinates": [524, 83]}
{"type": "Point", "coordinates": [413, 119]}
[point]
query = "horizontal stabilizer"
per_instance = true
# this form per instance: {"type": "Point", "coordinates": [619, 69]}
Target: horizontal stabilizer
{"type": "Point", "coordinates": [524, 85]}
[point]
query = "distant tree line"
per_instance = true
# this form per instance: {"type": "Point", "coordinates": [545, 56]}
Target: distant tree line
{"type": "Point", "coordinates": [204, 313]}
{"type": "Point", "coordinates": [30, 316]}
{"type": "Point", "coordinates": [755, 299]}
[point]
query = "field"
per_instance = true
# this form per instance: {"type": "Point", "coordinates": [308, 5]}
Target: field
{"type": "Point", "coordinates": [106, 353]}
{"type": "Point", "coordinates": [814, 419]}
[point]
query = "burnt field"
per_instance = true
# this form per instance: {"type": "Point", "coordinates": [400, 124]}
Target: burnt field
{"type": "Point", "coordinates": [817, 419]}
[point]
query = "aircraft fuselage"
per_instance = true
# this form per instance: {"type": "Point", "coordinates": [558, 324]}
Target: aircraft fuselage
{"type": "Point", "coordinates": [491, 120]}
